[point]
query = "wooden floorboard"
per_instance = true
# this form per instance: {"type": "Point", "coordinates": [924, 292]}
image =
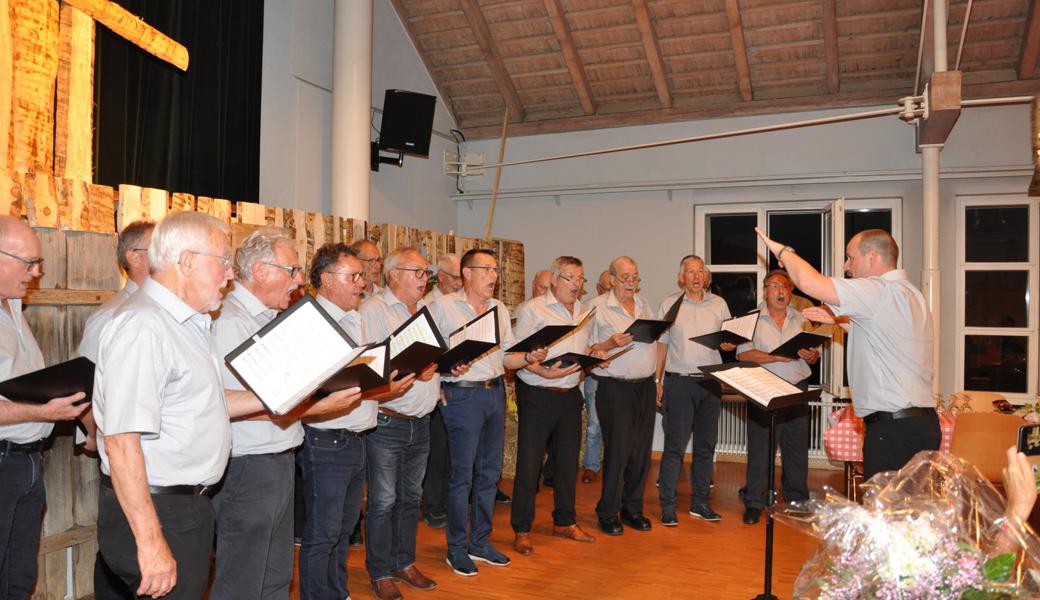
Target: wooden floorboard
{"type": "Point", "coordinates": [695, 560]}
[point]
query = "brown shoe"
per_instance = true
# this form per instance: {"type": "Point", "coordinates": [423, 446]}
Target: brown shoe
{"type": "Point", "coordinates": [588, 476]}
{"type": "Point", "coordinates": [522, 544]}
{"type": "Point", "coordinates": [413, 577]}
{"type": "Point", "coordinates": [573, 532]}
{"type": "Point", "coordinates": [384, 589]}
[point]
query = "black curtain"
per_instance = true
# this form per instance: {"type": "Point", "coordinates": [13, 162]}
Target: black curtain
{"type": "Point", "coordinates": [196, 131]}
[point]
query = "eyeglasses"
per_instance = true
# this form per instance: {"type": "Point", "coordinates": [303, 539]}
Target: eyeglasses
{"type": "Point", "coordinates": [573, 279]}
{"type": "Point", "coordinates": [627, 278]}
{"type": "Point", "coordinates": [30, 263]}
{"type": "Point", "coordinates": [452, 275]}
{"type": "Point", "coordinates": [353, 277]}
{"type": "Point", "coordinates": [419, 273]}
{"type": "Point", "coordinates": [224, 258]}
{"type": "Point", "coordinates": [293, 270]}
{"type": "Point", "coordinates": [139, 249]}
{"type": "Point", "coordinates": [776, 286]}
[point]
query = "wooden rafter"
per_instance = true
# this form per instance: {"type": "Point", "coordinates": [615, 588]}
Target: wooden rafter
{"type": "Point", "coordinates": [736, 34]}
{"type": "Point", "coordinates": [830, 44]}
{"type": "Point", "coordinates": [570, 55]}
{"type": "Point", "coordinates": [129, 26]}
{"type": "Point", "coordinates": [1030, 43]}
{"type": "Point", "coordinates": [494, 59]}
{"type": "Point", "coordinates": [431, 68]}
{"type": "Point", "coordinates": [653, 52]}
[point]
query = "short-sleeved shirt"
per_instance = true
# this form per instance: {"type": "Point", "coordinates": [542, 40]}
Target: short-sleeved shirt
{"type": "Point", "coordinates": [890, 342]}
{"type": "Point", "coordinates": [433, 294]}
{"type": "Point", "coordinates": [158, 374]}
{"type": "Point", "coordinates": [363, 416]}
{"type": "Point", "coordinates": [19, 354]}
{"type": "Point", "coordinates": [451, 311]}
{"type": "Point", "coordinates": [768, 337]}
{"type": "Point", "coordinates": [242, 315]}
{"type": "Point", "coordinates": [641, 361]}
{"type": "Point", "coordinates": [685, 356]}
{"type": "Point", "coordinates": [544, 310]}
{"type": "Point", "coordinates": [88, 344]}
{"type": "Point", "coordinates": [382, 315]}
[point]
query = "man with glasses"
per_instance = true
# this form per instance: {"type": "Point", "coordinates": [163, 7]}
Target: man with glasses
{"type": "Point", "coordinates": [690, 402]}
{"type": "Point", "coordinates": [474, 415]}
{"type": "Point", "coordinates": [549, 406]}
{"type": "Point", "coordinates": [397, 449]}
{"type": "Point", "coordinates": [449, 277]}
{"type": "Point", "coordinates": [23, 426]}
{"type": "Point", "coordinates": [370, 256]}
{"type": "Point", "coordinates": [624, 401]}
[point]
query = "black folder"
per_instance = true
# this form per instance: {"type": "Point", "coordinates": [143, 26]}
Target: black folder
{"type": "Point", "coordinates": [548, 335]}
{"type": "Point", "coordinates": [801, 341]}
{"type": "Point", "coordinates": [418, 355]}
{"type": "Point", "coordinates": [774, 403]}
{"type": "Point", "coordinates": [469, 350]}
{"type": "Point", "coordinates": [723, 336]}
{"type": "Point", "coordinates": [358, 375]}
{"type": "Point", "coordinates": [648, 330]}
{"type": "Point", "coordinates": [55, 381]}
{"type": "Point", "coordinates": [586, 361]}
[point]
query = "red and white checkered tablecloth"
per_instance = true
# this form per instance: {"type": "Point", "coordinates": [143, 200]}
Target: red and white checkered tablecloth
{"type": "Point", "coordinates": [844, 440]}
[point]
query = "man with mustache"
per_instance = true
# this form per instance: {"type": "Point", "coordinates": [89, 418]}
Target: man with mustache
{"type": "Point", "coordinates": [549, 408]}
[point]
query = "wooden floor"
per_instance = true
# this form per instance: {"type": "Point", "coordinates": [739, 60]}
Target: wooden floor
{"type": "Point", "coordinates": [717, 561]}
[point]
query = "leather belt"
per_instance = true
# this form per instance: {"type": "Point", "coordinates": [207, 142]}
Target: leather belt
{"type": "Point", "coordinates": [687, 375]}
{"type": "Point", "coordinates": [559, 390]}
{"type": "Point", "coordinates": [393, 413]}
{"type": "Point", "coordinates": [169, 490]}
{"type": "Point", "coordinates": [623, 380]}
{"type": "Point", "coordinates": [487, 384]}
{"type": "Point", "coordinates": [30, 448]}
{"type": "Point", "coordinates": [914, 411]}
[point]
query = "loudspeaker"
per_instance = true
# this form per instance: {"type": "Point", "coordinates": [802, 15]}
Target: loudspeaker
{"type": "Point", "coordinates": [407, 123]}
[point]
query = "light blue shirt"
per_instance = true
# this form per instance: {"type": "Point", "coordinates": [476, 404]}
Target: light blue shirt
{"type": "Point", "coordinates": [19, 354]}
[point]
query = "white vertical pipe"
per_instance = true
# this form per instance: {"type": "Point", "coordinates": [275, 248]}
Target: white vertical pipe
{"type": "Point", "coordinates": [351, 108]}
{"type": "Point", "coordinates": [930, 196]}
{"type": "Point", "coordinates": [939, 34]}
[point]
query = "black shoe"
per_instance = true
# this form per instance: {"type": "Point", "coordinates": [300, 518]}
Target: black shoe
{"type": "Point", "coordinates": [435, 520]}
{"type": "Point", "coordinates": [636, 521]}
{"type": "Point", "coordinates": [668, 519]}
{"type": "Point", "coordinates": [357, 538]}
{"type": "Point", "coordinates": [501, 498]}
{"type": "Point", "coordinates": [610, 526]}
{"type": "Point", "coordinates": [752, 515]}
{"type": "Point", "coordinates": [703, 511]}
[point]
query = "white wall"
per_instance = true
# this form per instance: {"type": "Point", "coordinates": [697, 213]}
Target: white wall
{"type": "Point", "coordinates": [296, 116]}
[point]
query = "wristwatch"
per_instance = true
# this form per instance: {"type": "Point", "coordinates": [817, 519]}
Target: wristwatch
{"type": "Point", "coordinates": [785, 249]}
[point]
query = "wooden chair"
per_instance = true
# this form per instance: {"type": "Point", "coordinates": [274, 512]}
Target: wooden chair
{"type": "Point", "coordinates": [982, 439]}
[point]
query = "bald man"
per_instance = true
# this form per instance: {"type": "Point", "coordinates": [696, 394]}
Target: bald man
{"type": "Point", "coordinates": [541, 283]}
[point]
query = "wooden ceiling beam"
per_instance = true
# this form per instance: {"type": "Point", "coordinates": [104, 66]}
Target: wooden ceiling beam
{"type": "Point", "coordinates": [740, 62]}
{"type": "Point", "coordinates": [570, 56]}
{"type": "Point", "coordinates": [1030, 43]}
{"type": "Point", "coordinates": [135, 30]}
{"type": "Point", "coordinates": [653, 52]}
{"type": "Point", "coordinates": [830, 44]}
{"type": "Point", "coordinates": [424, 55]}
{"type": "Point", "coordinates": [494, 59]}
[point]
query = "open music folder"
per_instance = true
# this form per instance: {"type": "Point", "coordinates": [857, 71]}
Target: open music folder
{"type": "Point", "coordinates": [735, 330]}
{"type": "Point", "coordinates": [550, 334]}
{"type": "Point", "coordinates": [415, 344]}
{"type": "Point", "coordinates": [802, 341]}
{"type": "Point", "coordinates": [289, 358]}
{"type": "Point", "coordinates": [56, 381]}
{"type": "Point", "coordinates": [760, 385]}
{"type": "Point", "coordinates": [369, 370]}
{"type": "Point", "coordinates": [471, 341]}
{"type": "Point", "coordinates": [585, 360]}
{"type": "Point", "coordinates": [648, 330]}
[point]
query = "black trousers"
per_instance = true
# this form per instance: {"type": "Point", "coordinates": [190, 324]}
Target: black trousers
{"type": "Point", "coordinates": [889, 445]}
{"type": "Point", "coordinates": [546, 417]}
{"type": "Point", "coordinates": [792, 435]}
{"type": "Point", "coordinates": [187, 524]}
{"type": "Point", "coordinates": [626, 412]}
{"type": "Point", "coordinates": [435, 484]}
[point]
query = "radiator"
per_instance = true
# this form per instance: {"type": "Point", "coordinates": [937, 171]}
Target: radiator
{"type": "Point", "coordinates": [733, 426]}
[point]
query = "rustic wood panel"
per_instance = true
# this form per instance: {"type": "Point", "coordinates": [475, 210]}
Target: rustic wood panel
{"type": "Point", "coordinates": [34, 47]}
{"type": "Point", "coordinates": [251, 213]}
{"type": "Point", "coordinates": [92, 261]}
{"type": "Point", "coordinates": [6, 74]}
{"type": "Point", "coordinates": [52, 249]}
{"type": "Point", "coordinates": [10, 191]}
{"type": "Point", "coordinates": [101, 215]}
{"type": "Point", "coordinates": [74, 108]}
{"type": "Point", "coordinates": [180, 201]}
{"type": "Point", "coordinates": [83, 568]}
{"type": "Point", "coordinates": [139, 203]}
{"type": "Point", "coordinates": [40, 196]}
{"type": "Point", "coordinates": [133, 28]}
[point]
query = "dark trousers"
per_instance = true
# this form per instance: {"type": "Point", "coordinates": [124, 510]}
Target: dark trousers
{"type": "Point", "coordinates": [691, 410]}
{"type": "Point", "coordinates": [626, 412]}
{"type": "Point", "coordinates": [254, 512]}
{"type": "Point", "coordinates": [792, 434]}
{"type": "Point", "coordinates": [548, 419]}
{"type": "Point", "coordinates": [333, 463]}
{"type": "Point", "coordinates": [108, 585]}
{"type": "Point", "coordinates": [22, 497]}
{"type": "Point", "coordinates": [396, 452]}
{"type": "Point", "coordinates": [187, 525]}
{"type": "Point", "coordinates": [889, 445]}
{"type": "Point", "coordinates": [435, 484]}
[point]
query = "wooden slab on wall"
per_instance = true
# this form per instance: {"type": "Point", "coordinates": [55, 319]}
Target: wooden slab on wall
{"type": "Point", "coordinates": [34, 48]}
{"type": "Point", "coordinates": [74, 106]}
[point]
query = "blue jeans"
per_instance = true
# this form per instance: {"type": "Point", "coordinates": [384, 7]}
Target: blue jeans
{"type": "Point", "coordinates": [475, 421]}
{"type": "Point", "coordinates": [593, 434]}
{"type": "Point", "coordinates": [21, 512]}
{"type": "Point", "coordinates": [396, 451]}
{"type": "Point", "coordinates": [333, 464]}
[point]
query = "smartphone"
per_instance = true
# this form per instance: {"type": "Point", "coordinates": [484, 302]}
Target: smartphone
{"type": "Point", "coordinates": [1029, 439]}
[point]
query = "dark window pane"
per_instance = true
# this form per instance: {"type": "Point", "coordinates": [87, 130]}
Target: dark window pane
{"type": "Point", "coordinates": [737, 289]}
{"type": "Point", "coordinates": [732, 240]}
{"type": "Point", "coordinates": [996, 234]}
{"type": "Point", "coordinates": [857, 220]}
{"type": "Point", "coordinates": [995, 363]}
{"type": "Point", "coordinates": [996, 298]}
{"type": "Point", "coordinates": [800, 231]}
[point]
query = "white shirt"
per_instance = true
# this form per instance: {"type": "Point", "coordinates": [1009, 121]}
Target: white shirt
{"type": "Point", "coordinates": [451, 311]}
{"type": "Point", "coordinates": [433, 294]}
{"type": "Point", "coordinates": [638, 363]}
{"type": "Point", "coordinates": [363, 416]}
{"type": "Point", "coordinates": [890, 342]}
{"type": "Point", "coordinates": [242, 315]}
{"type": "Point", "coordinates": [88, 345]}
{"type": "Point", "coordinates": [544, 310]}
{"type": "Point", "coordinates": [769, 337]}
{"type": "Point", "coordinates": [19, 354]}
{"type": "Point", "coordinates": [382, 315]}
{"type": "Point", "coordinates": [158, 375]}
{"type": "Point", "coordinates": [685, 356]}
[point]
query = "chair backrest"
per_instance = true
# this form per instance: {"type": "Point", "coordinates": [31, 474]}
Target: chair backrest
{"type": "Point", "coordinates": [982, 438]}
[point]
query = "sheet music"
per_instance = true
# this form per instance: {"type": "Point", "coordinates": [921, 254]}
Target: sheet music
{"type": "Point", "coordinates": [743, 326]}
{"type": "Point", "coordinates": [373, 358]}
{"type": "Point", "coordinates": [419, 330]}
{"type": "Point", "coordinates": [480, 330]}
{"type": "Point", "coordinates": [757, 383]}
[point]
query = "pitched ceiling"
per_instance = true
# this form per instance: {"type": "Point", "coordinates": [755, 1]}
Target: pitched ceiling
{"type": "Point", "coordinates": [565, 65]}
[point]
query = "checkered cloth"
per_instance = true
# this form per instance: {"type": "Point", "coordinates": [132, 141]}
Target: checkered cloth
{"type": "Point", "coordinates": [844, 440]}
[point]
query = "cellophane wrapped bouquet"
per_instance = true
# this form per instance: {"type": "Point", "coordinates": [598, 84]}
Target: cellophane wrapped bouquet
{"type": "Point", "coordinates": [936, 529]}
